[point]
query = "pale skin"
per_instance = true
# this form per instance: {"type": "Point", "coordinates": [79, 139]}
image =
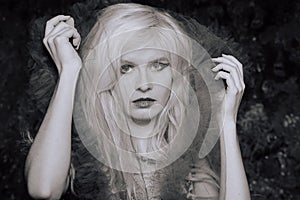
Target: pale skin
{"type": "Point", "coordinates": [48, 161]}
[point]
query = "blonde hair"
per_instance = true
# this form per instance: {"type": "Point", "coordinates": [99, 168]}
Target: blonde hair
{"type": "Point", "coordinates": [119, 29]}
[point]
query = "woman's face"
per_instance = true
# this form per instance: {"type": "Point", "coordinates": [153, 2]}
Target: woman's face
{"type": "Point", "coordinates": [144, 84]}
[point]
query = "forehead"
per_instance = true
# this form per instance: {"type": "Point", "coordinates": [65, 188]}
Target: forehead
{"type": "Point", "coordinates": [150, 40]}
{"type": "Point", "coordinates": [145, 55]}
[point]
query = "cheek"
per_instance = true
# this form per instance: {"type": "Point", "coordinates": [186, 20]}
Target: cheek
{"type": "Point", "coordinates": [125, 88]}
{"type": "Point", "coordinates": [165, 86]}
{"type": "Point", "coordinates": [165, 95]}
{"type": "Point", "coordinates": [165, 79]}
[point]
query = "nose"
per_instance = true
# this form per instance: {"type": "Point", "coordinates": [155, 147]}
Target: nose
{"type": "Point", "coordinates": [144, 80]}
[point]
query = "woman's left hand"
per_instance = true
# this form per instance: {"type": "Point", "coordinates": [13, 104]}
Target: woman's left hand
{"type": "Point", "coordinates": [231, 70]}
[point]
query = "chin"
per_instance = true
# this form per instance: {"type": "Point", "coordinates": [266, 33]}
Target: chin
{"type": "Point", "coordinates": [144, 114]}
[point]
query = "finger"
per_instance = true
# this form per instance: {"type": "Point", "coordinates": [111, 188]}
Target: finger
{"type": "Point", "coordinates": [66, 34]}
{"type": "Point", "coordinates": [70, 21]}
{"type": "Point", "coordinates": [51, 46]}
{"type": "Point", "coordinates": [70, 33]}
{"type": "Point", "coordinates": [76, 37]}
{"type": "Point", "coordinates": [61, 41]}
{"type": "Point", "coordinates": [226, 61]}
{"type": "Point", "coordinates": [48, 40]}
{"type": "Point", "coordinates": [233, 72]}
{"type": "Point", "coordinates": [231, 87]}
{"type": "Point", "coordinates": [65, 25]}
{"type": "Point", "coordinates": [54, 21]}
{"type": "Point", "coordinates": [77, 40]}
{"type": "Point", "coordinates": [58, 29]}
{"type": "Point", "coordinates": [236, 61]}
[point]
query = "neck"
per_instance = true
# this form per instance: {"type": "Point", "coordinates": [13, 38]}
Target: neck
{"type": "Point", "coordinates": [142, 131]}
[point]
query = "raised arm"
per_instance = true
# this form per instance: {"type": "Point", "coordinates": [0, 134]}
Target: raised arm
{"type": "Point", "coordinates": [233, 182]}
{"type": "Point", "coordinates": [233, 178]}
{"type": "Point", "coordinates": [48, 161]}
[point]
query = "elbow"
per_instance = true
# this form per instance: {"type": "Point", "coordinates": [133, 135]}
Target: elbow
{"type": "Point", "coordinates": [36, 188]}
{"type": "Point", "coordinates": [42, 192]}
{"type": "Point", "coordinates": [39, 193]}
{"type": "Point", "coordinates": [40, 189]}
{"type": "Point", "coordinates": [40, 184]}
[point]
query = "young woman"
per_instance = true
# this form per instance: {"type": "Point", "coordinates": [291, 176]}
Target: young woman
{"type": "Point", "coordinates": [148, 103]}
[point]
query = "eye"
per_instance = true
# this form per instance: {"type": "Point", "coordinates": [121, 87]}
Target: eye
{"type": "Point", "coordinates": [158, 66]}
{"type": "Point", "coordinates": [126, 68]}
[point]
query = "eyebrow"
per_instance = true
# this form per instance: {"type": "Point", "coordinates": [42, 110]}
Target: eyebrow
{"type": "Point", "coordinates": [152, 61]}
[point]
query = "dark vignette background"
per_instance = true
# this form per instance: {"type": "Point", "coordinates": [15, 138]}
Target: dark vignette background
{"type": "Point", "coordinates": [269, 118]}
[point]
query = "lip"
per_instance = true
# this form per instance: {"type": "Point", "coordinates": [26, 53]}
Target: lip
{"type": "Point", "coordinates": [143, 99]}
{"type": "Point", "coordinates": [143, 102]}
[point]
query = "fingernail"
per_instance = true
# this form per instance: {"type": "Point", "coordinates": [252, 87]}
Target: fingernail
{"type": "Point", "coordinates": [78, 45]}
{"type": "Point", "coordinates": [214, 69]}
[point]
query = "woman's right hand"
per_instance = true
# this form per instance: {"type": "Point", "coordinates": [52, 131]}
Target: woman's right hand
{"type": "Point", "coordinates": [60, 39]}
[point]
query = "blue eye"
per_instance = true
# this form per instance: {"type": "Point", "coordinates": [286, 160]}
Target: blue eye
{"type": "Point", "coordinates": [126, 68]}
{"type": "Point", "coordinates": [158, 66]}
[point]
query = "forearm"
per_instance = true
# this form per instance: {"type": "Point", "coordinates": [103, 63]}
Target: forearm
{"type": "Point", "coordinates": [233, 173]}
{"type": "Point", "coordinates": [48, 161]}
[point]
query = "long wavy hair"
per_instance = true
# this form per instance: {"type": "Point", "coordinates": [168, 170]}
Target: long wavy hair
{"type": "Point", "coordinates": [119, 29]}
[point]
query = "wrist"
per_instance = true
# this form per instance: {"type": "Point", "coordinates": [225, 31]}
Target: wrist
{"type": "Point", "coordinates": [230, 117]}
{"type": "Point", "coordinates": [229, 127]}
{"type": "Point", "coordinates": [70, 71]}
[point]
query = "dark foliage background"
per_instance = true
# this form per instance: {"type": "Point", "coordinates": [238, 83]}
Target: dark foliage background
{"type": "Point", "coordinates": [269, 118]}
